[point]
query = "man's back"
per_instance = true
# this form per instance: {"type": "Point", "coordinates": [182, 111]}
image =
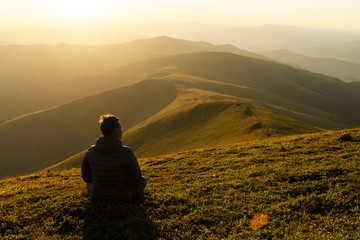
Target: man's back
{"type": "Point", "coordinates": [112, 170]}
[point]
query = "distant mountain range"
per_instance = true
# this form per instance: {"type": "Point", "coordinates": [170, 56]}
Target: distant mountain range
{"type": "Point", "coordinates": [346, 50]}
{"type": "Point", "coordinates": [210, 97]}
{"type": "Point", "coordinates": [345, 70]}
{"type": "Point", "coordinates": [54, 78]}
{"type": "Point", "coordinates": [170, 94]}
{"type": "Point", "coordinates": [272, 37]}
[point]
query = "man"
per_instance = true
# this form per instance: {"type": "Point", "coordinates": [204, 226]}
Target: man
{"type": "Point", "coordinates": [111, 170]}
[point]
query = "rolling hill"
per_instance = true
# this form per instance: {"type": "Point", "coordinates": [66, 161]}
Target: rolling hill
{"type": "Point", "coordinates": [53, 78]}
{"type": "Point", "coordinates": [298, 187]}
{"type": "Point", "coordinates": [345, 70]}
{"type": "Point", "coordinates": [170, 85]}
{"type": "Point", "coordinates": [314, 90]}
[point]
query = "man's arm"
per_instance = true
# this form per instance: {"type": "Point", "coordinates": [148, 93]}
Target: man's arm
{"type": "Point", "coordinates": [86, 171]}
{"type": "Point", "coordinates": [134, 171]}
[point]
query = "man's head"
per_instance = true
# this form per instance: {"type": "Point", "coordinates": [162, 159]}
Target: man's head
{"type": "Point", "coordinates": [110, 125]}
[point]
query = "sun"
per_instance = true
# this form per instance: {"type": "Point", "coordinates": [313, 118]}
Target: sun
{"type": "Point", "coordinates": [79, 10]}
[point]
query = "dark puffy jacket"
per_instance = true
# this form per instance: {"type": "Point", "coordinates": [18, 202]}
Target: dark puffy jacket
{"type": "Point", "coordinates": [112, 169]}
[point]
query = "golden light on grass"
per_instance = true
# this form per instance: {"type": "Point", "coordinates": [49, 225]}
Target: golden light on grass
{"type": "Point", "coordinates": [259, 220]}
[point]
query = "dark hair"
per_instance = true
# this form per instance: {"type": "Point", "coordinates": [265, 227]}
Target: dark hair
{"type": "Point", "coordinates": [108, 123]}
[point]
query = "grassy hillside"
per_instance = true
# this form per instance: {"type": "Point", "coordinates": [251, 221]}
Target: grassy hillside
{"type": "Point", "coordinates": [298, 187]}
{"type": "Point", "coordinates": [210, 123]}
{"type": "Point", "coordinates": [38, 140]}
{"type": "Point", "coordinates": [53, 78]}
{"type": "Point", "coordinates": [291, 109]}
{"type": "Point", "coordinates": [345, 70]}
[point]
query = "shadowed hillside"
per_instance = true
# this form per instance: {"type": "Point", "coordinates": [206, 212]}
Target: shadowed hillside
{"type": "Point", "coordinates": [355, 85]}
{"type": "Point", "coordinates": [345, 70]}
{"type": "Point", "coordinates": [298, 187]}
{"type": "Point", "coordinates": [41, 139]}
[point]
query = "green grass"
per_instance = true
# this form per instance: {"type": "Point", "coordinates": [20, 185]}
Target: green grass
{"type": "Point", "coordinates": [307, 186]}
{"type": "Point", "coordinates": [211, 123]}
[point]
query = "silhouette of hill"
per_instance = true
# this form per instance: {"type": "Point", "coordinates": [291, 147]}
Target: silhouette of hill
{"type": "Point", "coordinates": [347, 71]}
{"type": "Point", "coordinates": [301, 187]}
{"type": "Point", "coordinates": [30, 85]}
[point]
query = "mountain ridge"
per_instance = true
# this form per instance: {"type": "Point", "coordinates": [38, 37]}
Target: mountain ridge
{"type": "Point", "coordinates": [345, 70]}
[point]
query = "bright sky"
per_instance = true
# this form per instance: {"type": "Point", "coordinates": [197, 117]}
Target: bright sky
{"type": "Point", "coordinates": [329, 14]}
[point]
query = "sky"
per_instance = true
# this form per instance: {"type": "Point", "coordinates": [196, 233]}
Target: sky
{"type": "Point", "coordinates": [321, 14]}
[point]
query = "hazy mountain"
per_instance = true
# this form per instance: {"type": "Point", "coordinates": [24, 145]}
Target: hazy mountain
{"type": "Point", "coordinates": [24, 85]}
{"type": "Point", "coordinates": [270, 37]}
{"type": "Point", "coordinates": [349, 50]}
{"type": "Point", "coordinates": [58, 63]}
{"type": "Point", "coordinates": [293, 91]}
{"type": "Point", "coordinates": [347, 71]}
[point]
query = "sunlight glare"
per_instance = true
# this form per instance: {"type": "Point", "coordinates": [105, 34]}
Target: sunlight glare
{"type": "Point", "coordinates": [80, 10]}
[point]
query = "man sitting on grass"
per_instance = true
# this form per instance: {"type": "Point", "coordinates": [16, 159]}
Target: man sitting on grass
{"type": "Point", "coordinates": [111, 170]}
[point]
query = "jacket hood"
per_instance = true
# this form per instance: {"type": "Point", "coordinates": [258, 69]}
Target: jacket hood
{"type": "Point", "coordinates": [108, 144]}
